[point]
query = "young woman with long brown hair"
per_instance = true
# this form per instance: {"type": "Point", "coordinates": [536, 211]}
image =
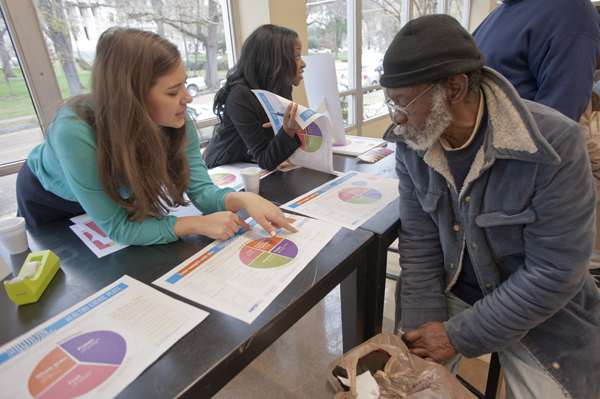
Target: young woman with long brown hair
{"type": "Point", "coordinates": [127, 152]}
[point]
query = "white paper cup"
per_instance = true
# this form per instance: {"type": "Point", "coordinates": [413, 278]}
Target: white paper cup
{"type": "Point", "coordinates": [251, 178]}
{"type": "Point", "coordinates": [12, 235]}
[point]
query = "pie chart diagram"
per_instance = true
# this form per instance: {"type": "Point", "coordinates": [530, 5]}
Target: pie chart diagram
{"type": "Point", "coordinates": [311, 138]}
{"type": "Point", "coordinates": [222, 178]}
{"type": "Point", "coordinates": [268, 253]}
{"type": "Point", "coordinates": [78, 365]}
{"type": "Point", "coordinates": [359, 195]}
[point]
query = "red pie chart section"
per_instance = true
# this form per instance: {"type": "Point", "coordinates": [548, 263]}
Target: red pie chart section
{"type": "Point", "coordinates": [311, 138]}
{"type": "Point", "coordinates": [268, 253]}
{"type": "Point", "coordinates": [78, 365]}
{"type": "Point", "coordinates": [222, 178]}
{"type": "Point", "coordinates": [359, 195]}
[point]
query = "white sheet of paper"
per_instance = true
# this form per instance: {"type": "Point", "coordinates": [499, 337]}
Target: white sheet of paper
{"type": "Point", "coordinates": [316, 149]}
{"type": "Point", "coordinates": [243, 275]}
{"type": "Point", "coordinates": [348, 201]}
{"type": "Point", "coordinates": [366, 386]}
{"type": "Point", "coordinates": [99, 346]}
{"type": "Point", "coordinates": [91, 235]}
{"type": "Point", "coordinates": [320, 82]}
{"type": "Point", "coordinates": [229, 175]}
{"type": "Point", "coordinates": [356, 145]}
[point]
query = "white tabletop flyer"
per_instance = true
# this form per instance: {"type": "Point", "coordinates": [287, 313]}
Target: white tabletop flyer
{"type": "Point", "coordinates": [243, 275]}
{"type": "Point", "coordinates": [229, 175]}
{"type": "Point", "coordinates": [97, 347]}
{"type": "Point", "coordinates": [348, 201]}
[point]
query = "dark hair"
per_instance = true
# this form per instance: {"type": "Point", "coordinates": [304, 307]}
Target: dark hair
{"type": "Point", "coordinates": [132, 151]}
{"type": "Point", "coordinates": [267, 62]}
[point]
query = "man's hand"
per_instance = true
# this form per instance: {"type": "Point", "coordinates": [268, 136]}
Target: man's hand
{"type": "Point", "coordinates": [430, 342]}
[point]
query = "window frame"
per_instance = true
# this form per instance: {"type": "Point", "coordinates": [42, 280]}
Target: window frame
{"type": "Point", "coordinates": [25, 31]}
{"type": "Point", "coordinates": [354, 37]}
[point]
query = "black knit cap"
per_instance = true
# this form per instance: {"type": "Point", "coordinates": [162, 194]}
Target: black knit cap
{"type": "Point", "coordinates": [427, 49]}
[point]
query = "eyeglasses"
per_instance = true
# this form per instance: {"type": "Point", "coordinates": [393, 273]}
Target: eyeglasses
{"type": "Point", "coordinates": [403, 110]}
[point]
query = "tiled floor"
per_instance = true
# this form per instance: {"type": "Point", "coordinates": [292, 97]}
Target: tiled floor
{"type": "Point", "coordinates": [295, 365]}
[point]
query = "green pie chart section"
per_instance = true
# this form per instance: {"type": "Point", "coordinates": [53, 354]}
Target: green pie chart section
{"type": "Point", "coordinates": [268, 253]}
{"type": "Point", "coordinates": [311, 138]}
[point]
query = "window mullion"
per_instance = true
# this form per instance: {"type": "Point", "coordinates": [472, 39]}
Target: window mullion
{"type": "Point", "coordinates": [30, 45]}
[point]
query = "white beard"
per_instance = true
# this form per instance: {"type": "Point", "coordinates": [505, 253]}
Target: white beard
{"type": "Point", "coordinates": [439, 118]}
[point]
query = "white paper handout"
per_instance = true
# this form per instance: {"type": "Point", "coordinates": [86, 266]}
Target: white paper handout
{"type": "Point", "coordinates": [356, 145]}
{"type": "Point", "coordinates": [316, 149]}
{"type": "Point", "coordinates": [91, 235]}
{"type": "Point", "coordinates": [320, 82]}
{"type": "Point", "coordinates": [97, 347]}
{"type": "Point", "coordinates": [229, 175]}
{"type": "Point", "coordinates": [348, 201]}
{"type": "Point", "coordinates": [243, 275]}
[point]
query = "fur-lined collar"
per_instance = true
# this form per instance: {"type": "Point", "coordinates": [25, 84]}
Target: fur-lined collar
{"type": "Point", "coordinates": [511, 134]}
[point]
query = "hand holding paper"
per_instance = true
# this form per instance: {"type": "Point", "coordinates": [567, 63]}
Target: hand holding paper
{"type": "Point", "coordinates": [314, 130]}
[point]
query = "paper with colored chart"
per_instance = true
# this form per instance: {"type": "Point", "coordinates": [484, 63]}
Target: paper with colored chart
{"type": "Point", "coordinates": [316, 149]}
{"type": "Point", "coordinates": [243, 275]}
{"type": "Point", "coordinates": [97, 347]}
{"type": "Point", "coordinates": [100, 244]}
{"type": "Point", "coordinates": [356, 145]}
{"type": "Point", "coordinates": [229, 175]}
{"type": "Point", "coordinates": [348, 201]}
{"type": "Point", "coordinates": [94, 238]}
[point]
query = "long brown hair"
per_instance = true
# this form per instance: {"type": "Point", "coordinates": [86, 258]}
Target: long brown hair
{"type": "Point", "coordinates": [132, 151]}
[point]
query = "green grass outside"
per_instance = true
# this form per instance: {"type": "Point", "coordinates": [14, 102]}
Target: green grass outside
{"type": "Point", "coordinates": [22, 105]}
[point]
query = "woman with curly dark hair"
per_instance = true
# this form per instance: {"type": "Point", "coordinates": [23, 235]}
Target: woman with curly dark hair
{"type": "Point", "coordinates": [271, 61]}
{"type": "Point", "coordinates": [127, 152]}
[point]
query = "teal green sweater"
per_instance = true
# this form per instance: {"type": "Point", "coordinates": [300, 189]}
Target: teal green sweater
{"type": "Point", "coordinates": [65, 164]}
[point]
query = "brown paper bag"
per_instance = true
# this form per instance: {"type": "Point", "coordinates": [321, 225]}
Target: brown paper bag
{"type": "Point", "coordinates": [398, 373]}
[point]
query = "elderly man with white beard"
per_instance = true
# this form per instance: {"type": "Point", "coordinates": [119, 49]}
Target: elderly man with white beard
{"type": "Point", "coordinates": [497, 205]}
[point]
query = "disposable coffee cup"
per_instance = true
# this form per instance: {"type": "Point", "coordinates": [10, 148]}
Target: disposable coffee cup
{"type": "Point", "coordinates": [12, 235]}
{"type": "Point", "coordinates": [251, 178]}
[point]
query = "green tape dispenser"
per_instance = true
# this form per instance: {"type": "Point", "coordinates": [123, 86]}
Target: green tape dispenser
{"type": "Point", "coordinates": [35, 275]}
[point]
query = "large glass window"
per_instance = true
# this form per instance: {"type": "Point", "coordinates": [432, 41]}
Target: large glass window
{"type": "Point", "coordinates": [20, 130]}
{"type": "Point", "coordinates": [72, 30]}
{"type": "Point", "coordinates": [337, 27]}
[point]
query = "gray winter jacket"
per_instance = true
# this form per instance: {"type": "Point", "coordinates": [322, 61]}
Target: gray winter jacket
{"type": "Point", "coordinates": [526, 216]}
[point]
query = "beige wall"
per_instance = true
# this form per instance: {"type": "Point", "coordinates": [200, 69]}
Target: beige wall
{"type": "Point", "coordinates": [292, 15]}
{"type": "Point", "coordinates": [288, 13]}
{"type": "Point", "coordinates": [479, 10]}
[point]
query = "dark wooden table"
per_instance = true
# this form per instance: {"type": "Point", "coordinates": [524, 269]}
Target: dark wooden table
{"type": "Point", "coordinates": [214, 352]}
{"type": "Point", "coordinates": [281, 188]}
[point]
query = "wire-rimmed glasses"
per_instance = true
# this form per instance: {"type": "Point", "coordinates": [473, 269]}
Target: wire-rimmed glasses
{"type": "Point", "coordinates": [403, 110]}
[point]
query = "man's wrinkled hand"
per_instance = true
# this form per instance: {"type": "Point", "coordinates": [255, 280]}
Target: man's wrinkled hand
{"type": "Point", "coordinates": [430, 341]}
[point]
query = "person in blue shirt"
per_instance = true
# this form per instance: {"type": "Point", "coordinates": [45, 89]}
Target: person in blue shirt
{"type": "Point", "coordinates": [547, 49]}
{"type": "Point", "coordinates": [127, 152]}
